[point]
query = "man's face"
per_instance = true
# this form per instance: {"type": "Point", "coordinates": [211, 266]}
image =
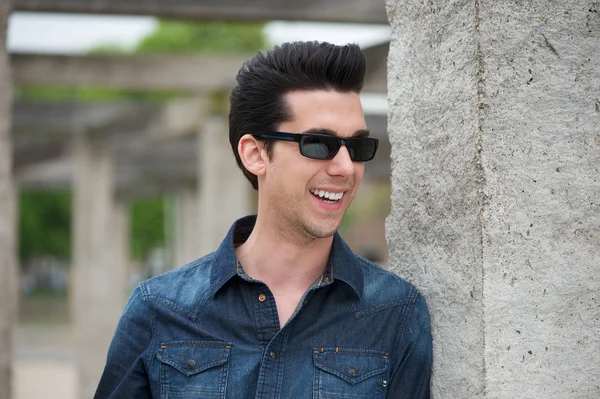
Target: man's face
{"type": "Point", "coordinates": [292, 182]}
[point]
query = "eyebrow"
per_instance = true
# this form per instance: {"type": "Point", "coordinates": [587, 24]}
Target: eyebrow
{"type": "Point", "coordinates": [358, 133]}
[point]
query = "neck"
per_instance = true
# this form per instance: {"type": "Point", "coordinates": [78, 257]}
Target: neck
{"type": "Point", "coordinates": [283, 261]}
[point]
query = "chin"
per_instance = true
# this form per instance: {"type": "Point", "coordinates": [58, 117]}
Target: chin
{"type": "Point", "coordinates": [322, 231]}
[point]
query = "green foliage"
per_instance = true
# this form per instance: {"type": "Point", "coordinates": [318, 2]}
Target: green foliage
{"type": "Point", "coordinates": [205, 36]}
{"type": "Point", "coordinates": [147, 226]}
{"type": "Point", "coordinates": [84, 94]}
{"type": "Point", "coordinates": [45, 224]}
{"type": "Point", "coordinates": [90, 94]}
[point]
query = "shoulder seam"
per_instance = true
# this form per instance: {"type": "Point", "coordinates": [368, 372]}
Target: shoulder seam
{"type": "Point", "coordinates": [153, 324]}
{"type": "Point", "coordinates": [381, 306]}
{"type": "Point", "coordinates": [412, 297]}
{"type": "Point", "coordinates": [190, 314]}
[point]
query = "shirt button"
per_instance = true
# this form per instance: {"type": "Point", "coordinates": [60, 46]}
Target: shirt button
{"type": "Point", "coordinates": [273, 354]}
{"type": "Point", "coordinates": [262, 297]}
{"type": "Point", "coordinates": [353, 372]}
{"type": "Point", "coordinates": [191, 364]}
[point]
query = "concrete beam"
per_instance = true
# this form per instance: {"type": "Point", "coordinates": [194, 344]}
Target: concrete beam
{"type": "Point", "coordinates": [43, 131]}
{"type": "Point", "coordinates": [152, 168]}
{"type": "Point", "coordinates": [494, 125]}
{"type": "Point", "coordinates": [155, 167]}
{"type": "Point", "coordinates": [360, 11]}
{"type": "Point", "coordinates": [188, 73]}
{"type": "Point", "coordinates": [62, 118]}
{"type": "Point", "coordinates": [36, 152]}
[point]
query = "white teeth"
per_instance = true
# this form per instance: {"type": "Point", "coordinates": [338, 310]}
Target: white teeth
{"type": "Point", "coordinates": [327, 195]}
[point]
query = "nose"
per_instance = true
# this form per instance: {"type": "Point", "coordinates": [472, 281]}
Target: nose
{"type": "Point", "coordinates": [341, 164]}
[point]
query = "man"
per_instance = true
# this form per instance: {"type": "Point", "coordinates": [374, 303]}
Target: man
{"type": "Point", "coordinates": [283, 308]}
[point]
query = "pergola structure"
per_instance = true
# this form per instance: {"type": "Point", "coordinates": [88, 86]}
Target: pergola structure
{"type": "Point", "coordinates": [111, 153]}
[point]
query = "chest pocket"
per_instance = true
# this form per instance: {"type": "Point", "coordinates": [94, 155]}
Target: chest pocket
{"type": "Point", "coordinates": [193, 369]}
{"type": "Point", "coordinates": [350, 373]}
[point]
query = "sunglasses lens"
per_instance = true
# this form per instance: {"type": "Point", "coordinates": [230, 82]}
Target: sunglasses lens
{"type": "Point", "coordinates": [362, 149]}
{"type": "Point", "coordinates": [319, 147]}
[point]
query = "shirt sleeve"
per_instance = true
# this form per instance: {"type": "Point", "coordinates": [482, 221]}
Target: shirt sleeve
{"type": "Point", "coordinates": [411, 374]}
{"type": "Point", "coordinates": [125, 374]}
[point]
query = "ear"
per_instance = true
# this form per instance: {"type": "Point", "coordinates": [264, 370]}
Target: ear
{"type": "Point", "coordinates": [253, 154]}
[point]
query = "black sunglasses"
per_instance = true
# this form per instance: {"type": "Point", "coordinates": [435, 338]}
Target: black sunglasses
{"type": "Point", "coordinates": [326, 146]}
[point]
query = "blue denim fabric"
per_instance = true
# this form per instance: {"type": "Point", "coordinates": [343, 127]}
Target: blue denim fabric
{"type": "Point", "coordinates": [207, 330]}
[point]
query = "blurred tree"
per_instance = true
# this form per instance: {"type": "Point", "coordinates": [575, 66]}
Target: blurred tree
{"type": "Point", "coordinates": [45, 224]}
{"type": "Point", "coordinates": [147, 226]}
{"type": "Point", "coordinates": [203, 37]}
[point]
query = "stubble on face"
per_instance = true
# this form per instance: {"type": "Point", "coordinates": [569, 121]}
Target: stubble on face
{"type": "Point", "coordinates": [290, 203]}
{"type": "Point", "coordinates": [291, 222]}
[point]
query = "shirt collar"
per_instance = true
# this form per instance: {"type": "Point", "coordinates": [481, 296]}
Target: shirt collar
{"type": "Point", "coordinates": [343, 264]}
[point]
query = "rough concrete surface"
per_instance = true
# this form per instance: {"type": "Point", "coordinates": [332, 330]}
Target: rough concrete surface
{"type": "Point", "coordinates": [541, 231]}
{"type": "Point", "coordinates": [433, 231]}
{"type": "Point", "coordinates": [495, 129]}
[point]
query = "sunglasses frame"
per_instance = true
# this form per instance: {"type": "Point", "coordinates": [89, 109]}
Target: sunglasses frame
{"type": "Point", "coordinates": [299, 137]}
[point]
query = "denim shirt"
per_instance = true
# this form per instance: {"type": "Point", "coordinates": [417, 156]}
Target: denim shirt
{"type": "Point", "coordinates": [208, 330]}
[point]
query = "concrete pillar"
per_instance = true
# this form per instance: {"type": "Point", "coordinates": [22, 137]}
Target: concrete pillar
{"type": "Point", "coordinates": [495, 131]}
{"type": "Point", "coordinates": [8, 282]}
{"type": "Point", "coordinates": [185, 237]}
{"type": "Point", "coordinates": [100, 260]}
{"type": "Point", "coordinates": [223, 190]}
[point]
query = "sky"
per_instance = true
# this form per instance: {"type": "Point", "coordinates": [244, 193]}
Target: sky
{"type": "Point", "coordinates": [77, 33]}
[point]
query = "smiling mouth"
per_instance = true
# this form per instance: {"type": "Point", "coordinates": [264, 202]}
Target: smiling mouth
{"type": "Point", "coordinates": [326, 196]}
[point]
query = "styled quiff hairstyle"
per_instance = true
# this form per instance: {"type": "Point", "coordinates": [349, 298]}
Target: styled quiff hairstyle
{"type": "Point", "coordinates": [257, 102]}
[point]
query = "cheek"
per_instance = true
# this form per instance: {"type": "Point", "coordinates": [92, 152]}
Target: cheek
{"type": "Point", "coordinates": [292, 178]}
{"type": "Point", "coordinates": [300, 172]}
{"type": "Point", "coordinates": [359, 171]}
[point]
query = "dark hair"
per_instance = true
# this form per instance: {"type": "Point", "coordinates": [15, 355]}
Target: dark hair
{"type": "Point", "coordinates": [257, 103]}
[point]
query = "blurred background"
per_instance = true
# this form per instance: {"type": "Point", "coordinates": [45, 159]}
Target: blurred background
{"type": "Point", "coordinates": [123, 166]}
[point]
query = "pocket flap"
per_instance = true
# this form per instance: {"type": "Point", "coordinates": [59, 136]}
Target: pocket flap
{"type": "Point", "coordinates": [193, 357]}
{"type": "Point", "coordinates": [351, 365]}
